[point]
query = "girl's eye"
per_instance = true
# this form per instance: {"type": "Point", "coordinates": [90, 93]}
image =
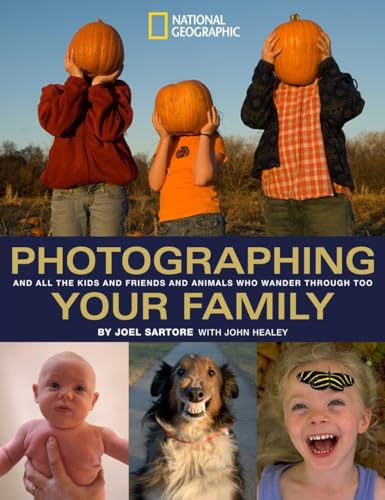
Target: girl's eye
{"type": "Point", "coordinates": [299, 406]}
{"type": "Point", "coordinates": [80, 388]}
{"type": "Point", "coordinates": [337, 402]}
{"type": "Point", "coordinates": [54, 385]}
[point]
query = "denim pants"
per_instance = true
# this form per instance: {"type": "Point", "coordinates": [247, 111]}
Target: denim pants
{"type": "Point", "coordinates": [328, 216]}
{"type": "Point", "coordinates": [197, 225]}
{"type": "Point", "coordinates": [95, 210]}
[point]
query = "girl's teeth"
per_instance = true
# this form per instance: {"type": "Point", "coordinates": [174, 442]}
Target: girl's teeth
{"type": "Point", "coordinates": [321, 437]}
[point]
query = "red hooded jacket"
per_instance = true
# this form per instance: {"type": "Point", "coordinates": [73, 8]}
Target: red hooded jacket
{"type": "Point", "coordinates": [88, 123]}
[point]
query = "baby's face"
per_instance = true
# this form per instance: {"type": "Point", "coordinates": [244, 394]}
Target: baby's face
{"type": "Point", "coordinates": [65, 391]}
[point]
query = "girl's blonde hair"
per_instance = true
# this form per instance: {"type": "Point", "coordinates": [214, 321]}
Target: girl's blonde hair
{"type": "Point", "coordinates": [274, 445]}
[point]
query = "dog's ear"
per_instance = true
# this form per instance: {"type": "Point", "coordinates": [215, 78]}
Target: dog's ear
{"type": "Point", "coordinates": [230, 389]}
{"type": "Point", "coordinates": [162, 380]}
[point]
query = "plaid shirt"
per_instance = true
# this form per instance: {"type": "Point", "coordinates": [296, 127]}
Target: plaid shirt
{"type": "Point", "coordinates": [303, 172]}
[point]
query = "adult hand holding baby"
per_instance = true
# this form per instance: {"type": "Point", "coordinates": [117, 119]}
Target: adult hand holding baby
{"type": "Point", "coordinates": [60, 486]}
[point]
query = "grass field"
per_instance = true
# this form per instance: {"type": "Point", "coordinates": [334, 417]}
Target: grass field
{"type": "Point", "coordinates": [243, 355]}
{"type": "Point", "coordinates": [243, 212]}
{"type": "Point", "coordinates": [144, 355]}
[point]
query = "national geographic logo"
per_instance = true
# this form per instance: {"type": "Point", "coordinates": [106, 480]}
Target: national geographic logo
{"type": "Point", "coordinates": [162, 26]}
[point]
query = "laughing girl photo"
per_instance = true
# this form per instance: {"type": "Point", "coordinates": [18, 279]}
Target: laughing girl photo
{"type": "Point", "coordinates": [318, 428]}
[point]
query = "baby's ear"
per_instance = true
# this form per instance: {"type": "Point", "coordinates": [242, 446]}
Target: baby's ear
{"type": "Point", "coordinates": [35, 392]}
{"type": "Point", "coordinates": [94, 399]}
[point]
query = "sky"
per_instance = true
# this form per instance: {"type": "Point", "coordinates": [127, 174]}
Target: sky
{"type": "Point", "coordinates": [34, 37]}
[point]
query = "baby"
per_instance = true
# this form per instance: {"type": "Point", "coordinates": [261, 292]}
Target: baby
{"type": "Point", "coordinates": [66, 394]}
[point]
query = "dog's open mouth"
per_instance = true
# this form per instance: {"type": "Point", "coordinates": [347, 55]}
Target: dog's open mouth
{"type": "Point", "coordinates": [195, 410]}
{"type": "Point", "coordinates": [322, 444]}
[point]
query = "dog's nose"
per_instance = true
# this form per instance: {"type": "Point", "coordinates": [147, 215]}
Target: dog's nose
{"type": "Point", "coordinates": [195, 394]}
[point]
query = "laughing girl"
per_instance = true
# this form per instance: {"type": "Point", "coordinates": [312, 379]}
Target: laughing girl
{"type": "Point", "coordinates": [317, 430]}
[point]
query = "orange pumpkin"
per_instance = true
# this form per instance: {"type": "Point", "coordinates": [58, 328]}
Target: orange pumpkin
{"type": "Point", "coordinates": [298, 62]}
{"type": "Point", "coordinates": [183, 106]}
{"type": "Point", "coordinates": [98, 48]}
{"type": "Point", "coordinates": [37, 231]}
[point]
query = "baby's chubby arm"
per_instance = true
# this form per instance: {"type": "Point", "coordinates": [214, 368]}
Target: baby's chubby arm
{"type": "Point", "coordinates": [14, 450]}
{"type": "Point", "coordinates": [114, 446]}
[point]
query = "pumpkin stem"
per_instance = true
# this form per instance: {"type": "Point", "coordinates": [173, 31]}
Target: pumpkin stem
{"type": "Point", "coordinates": [295, 17]}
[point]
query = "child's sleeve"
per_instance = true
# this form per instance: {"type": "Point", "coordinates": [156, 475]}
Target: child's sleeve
{"type": "Point", "coordinates": [13, 451]}
{"type": "Point", "coordinates": [114, 446]}
{"type": "Point", "coordinates": [62, 106]}
{"type": "Point", "coordinates": [111, 113]}
{"type": "Point", "coordinates": [340, 99]}
{"type": "Point", "coordinates": [258, 105]}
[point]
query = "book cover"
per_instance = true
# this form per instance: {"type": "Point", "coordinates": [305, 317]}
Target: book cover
{"type": "Point", "coordinates": [178, 295]}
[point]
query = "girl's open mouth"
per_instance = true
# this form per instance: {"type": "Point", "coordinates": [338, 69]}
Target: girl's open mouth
{"type": "Point", "coordinates": [322, 444]}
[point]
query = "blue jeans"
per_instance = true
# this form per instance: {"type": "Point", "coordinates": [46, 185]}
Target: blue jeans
{"type": "Point", "coordinates": [94, 209]}
{"type": "Point", "coordinates": [328, 216]}
{"type": "Point", "coordinates": [197, 225]}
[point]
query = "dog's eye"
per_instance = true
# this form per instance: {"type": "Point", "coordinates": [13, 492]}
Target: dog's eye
{"type": "Point", "coordinates": [211, 372]}
{"type": "Point", "coordinates": [180, 372]}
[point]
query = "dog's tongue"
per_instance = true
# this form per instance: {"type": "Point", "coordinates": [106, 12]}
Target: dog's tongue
{"type": "Point", "coordinates": [195, 407]}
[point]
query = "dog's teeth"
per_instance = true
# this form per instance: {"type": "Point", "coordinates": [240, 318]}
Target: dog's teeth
{"type": "Point", "coordinates": [195, 408]}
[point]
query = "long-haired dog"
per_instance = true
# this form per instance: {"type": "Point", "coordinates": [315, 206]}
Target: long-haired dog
{"type": "Point", "coordinates": [191, 453]}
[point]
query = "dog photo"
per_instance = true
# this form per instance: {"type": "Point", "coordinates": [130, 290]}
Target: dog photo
{"type": "Point", "coordinates": [191, 449]}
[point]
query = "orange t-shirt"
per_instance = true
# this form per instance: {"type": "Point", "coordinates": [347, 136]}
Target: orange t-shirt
{"type": "Point", "coordinates": [180, 196]}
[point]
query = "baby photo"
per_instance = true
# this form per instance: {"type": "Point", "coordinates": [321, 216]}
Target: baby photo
{"type": "Point", "coordinates": [65, 420]}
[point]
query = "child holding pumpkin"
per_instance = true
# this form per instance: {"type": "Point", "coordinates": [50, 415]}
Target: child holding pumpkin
{"type": "Point", "coordinates": [185, 164]}
{"type": "Point", "coordinates": [90, 163]}
{"type": "Point", "coordinates": [301, 100]}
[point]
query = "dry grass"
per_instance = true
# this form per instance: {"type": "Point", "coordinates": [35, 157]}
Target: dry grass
{"type": "Point", "coordinates": [243, 212]}
{"type": "Point", "coordinates": [18, 215]}
{"type": "Point", "coordinates": [369, 210]}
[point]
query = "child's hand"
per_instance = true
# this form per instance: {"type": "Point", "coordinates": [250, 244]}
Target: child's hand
{"type": "Point", "coordinates": [158, 126]}
{"type": "Point", "coordinates": [70, 66]}
{"type": "Point", "coordinates": [269, 49]}
{"type": "Point", "coordinates": [212, 122]}
{"type": "Point", "coordinates": [96, 80]}
{"type": "Point", "coordinates": [324, 45]}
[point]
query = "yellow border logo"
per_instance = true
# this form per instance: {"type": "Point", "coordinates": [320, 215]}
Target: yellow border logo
{"type": "Point", "coordinates": [164, 36]}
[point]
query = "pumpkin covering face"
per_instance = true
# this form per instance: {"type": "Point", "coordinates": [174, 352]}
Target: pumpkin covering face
{"type": "Point", "coordinates": [98, 48]}
{"type": "Point", "coordinates": [298, 62]}
{"type": "Point", "coordinates": [183, 107]}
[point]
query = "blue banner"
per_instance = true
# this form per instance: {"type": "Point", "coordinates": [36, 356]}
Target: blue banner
{"type": "Point", "coordinates": [192, 289]}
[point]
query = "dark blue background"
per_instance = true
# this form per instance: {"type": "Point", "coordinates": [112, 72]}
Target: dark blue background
{"type": "Point", "coordinates": [353, 314]}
